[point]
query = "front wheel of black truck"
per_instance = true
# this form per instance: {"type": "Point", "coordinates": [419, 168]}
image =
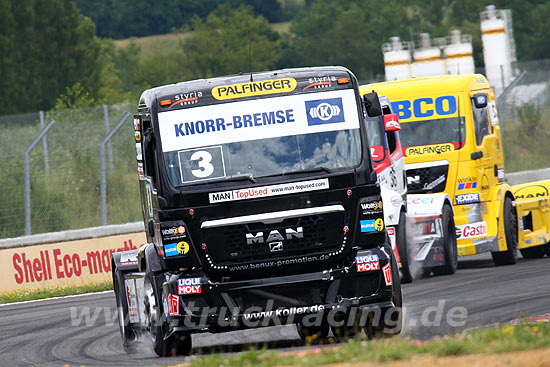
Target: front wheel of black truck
{"type": "Point", "coordinates": [157, 326]}
{"type": "Point", "coordinates": [390, 321]}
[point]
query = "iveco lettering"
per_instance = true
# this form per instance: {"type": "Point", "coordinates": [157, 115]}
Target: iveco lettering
{"type": "Point", "coordinates": [261, 207]}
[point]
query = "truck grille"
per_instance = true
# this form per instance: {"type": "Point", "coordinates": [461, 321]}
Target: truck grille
{"type": "Point", "coordinates": [427, 179]}
{"type": "Point", "coordinates": [319, 234]}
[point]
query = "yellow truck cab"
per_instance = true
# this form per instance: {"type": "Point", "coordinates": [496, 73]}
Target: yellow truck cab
{"type": "Point", "coordinates": [451, 141]}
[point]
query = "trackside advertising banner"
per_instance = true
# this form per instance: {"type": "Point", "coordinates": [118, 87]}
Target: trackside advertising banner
{"type": "Point", "coordinates": [70, 263]}
{"type": "Point", "coordinates": [258, 119]}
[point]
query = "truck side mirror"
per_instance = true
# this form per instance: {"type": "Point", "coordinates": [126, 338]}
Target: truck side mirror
{"type": "Point", "coordinates": [391, 122]}
{"type": "Point", "coordinates": [372, 104]}
{"type": "Point", "coordinates": [480, 100]}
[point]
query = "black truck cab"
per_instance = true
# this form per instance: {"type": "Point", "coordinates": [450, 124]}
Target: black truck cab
{"type": "Point", "coordinates": [260, 205]}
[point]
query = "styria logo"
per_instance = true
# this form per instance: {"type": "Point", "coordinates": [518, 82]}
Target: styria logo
{"type": "Point", "coordinates": [324, 111]}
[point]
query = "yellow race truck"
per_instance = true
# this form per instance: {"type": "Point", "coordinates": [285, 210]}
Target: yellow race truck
{"type": "Point", "coordinates": [451, 141]}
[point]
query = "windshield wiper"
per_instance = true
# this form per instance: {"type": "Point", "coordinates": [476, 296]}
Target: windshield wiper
{"type": "Point", "coordinates": [311, 170]}
{"type": "Point", "coordinates": [241, 178]}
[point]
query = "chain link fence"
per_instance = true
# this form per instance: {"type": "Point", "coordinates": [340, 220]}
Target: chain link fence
{"type": "Point", "coordinates": [66, 188]}
{"type": "Point", "coordinates": [56, 184]}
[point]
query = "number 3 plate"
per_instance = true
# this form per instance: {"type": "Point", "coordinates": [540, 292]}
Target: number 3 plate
{"type": "Point", "coordinates": [201, 164]}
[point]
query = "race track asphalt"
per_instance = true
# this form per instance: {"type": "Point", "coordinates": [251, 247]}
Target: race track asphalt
{"type": "Point", "coordinates": [57, 332]}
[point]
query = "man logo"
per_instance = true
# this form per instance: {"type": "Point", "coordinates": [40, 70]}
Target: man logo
{"type": "Point", "coordinates": [379, 224]}
{"type": "Point", "coordinates": [276, 246]}
{"type": "Point", "coordinates": [274, 235]}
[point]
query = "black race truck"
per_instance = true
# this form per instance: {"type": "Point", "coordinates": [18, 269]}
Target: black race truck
{"type": "Point", "coordinates": [261, 208]}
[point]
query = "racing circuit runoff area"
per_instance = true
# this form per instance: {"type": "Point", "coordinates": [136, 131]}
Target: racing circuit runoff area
{"type": "Point", "coordinates": [83, 330]}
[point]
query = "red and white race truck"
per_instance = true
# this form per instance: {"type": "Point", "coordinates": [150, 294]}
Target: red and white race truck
{"type": "Point", "coordinates": [420, 227]}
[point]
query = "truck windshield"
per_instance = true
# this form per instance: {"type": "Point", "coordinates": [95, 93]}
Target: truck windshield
{"type": "Point", "coordinates": [246, 140]}
{"type": "Point", "coordinates": [436, 131]}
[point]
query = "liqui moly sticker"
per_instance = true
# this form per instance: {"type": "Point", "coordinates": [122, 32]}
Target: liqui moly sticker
{"type": "Point", "coordinates": [266, 191]}
{"type": "Point", "coordinates": [189, 286]}
{"type": "Point", "coordinates": [367, 263]}
{"type": "Point", "coordinates": [386, 269]}
{"type": "Point", "coordinates": [173, 304]}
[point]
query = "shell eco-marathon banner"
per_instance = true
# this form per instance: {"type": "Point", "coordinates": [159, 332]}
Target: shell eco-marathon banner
{"type": "Point", "coordinates": [70, 258]}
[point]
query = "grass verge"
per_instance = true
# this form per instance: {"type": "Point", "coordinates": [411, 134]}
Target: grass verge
{"type": "Point", "coordinates": [495, 340]}
{"type": "Point", "coordinates": [32, 294]}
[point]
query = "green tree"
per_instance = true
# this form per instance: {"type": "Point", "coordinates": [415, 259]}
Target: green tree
{"type": "Point", "coordinates": [53, 46]}
{"type": "Point", "coordinates": [230, 41]}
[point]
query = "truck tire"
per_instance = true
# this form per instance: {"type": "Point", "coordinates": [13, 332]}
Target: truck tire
{"type": "Point", "coordinates": [126, 332]}
{"type": "Point", "coordinates": [175, 344]}
{"type": "Point", "coordinates": [508, 257]}
{"type": "Point", "coordinates": [547, 249]}
{"type": "Point", "coordinates": [449, 243]}
{"type": "Point", "coordinates": [393, 314]}
{"type": "Point", "coordinates": [402, 248]}
{"type": "Point", "coordinates": [535, 252]}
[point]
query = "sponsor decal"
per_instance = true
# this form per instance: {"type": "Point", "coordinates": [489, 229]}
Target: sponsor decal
{"type": "Point", "coordinates": [396, 200]}
{"type": "Point", "coordinates": [137, 124]}
{"type": "Point", "coordinates": [391, 231]}
{"type": "Point", "coordinates": [391, 123]}
{"type": "Point", "coordinates": [467, 198]}
{"type": "Point", "coordinates": [324, 111]}
{"type": "Point", "coordinates": [531, 191]}
{"type": "Point", "coordinates": [139, 156]}
{"type": "Point", "coordinates": [367, 263]}
{"type": "Point", "coordinates": [176, 248]}
{"type": "Point", "coordinates": [141, 172]}
{"type": "Point", "coordinates": [373, 206]}
{"type": "Point", "coordinates": [267, 191]}
{"type": "Point", "coordinates": [129, 258]}
{"type": "Point", "coordinates": [434, 183]}
{"type": "Point", "coordinates": [239, 121]}
{"type": "Point", "coordinates": [467, 185]}
{"type": "Point", "coordinates": [173, 231]}
{"type": "Point", "coordinates": [173, 305]}
{"type": "Point", "coordinates": [284, 312]}
{"type": "Point", "coordinates": [279, 263]}
{"type": "Point", "coordinates": [137, 136]}
{"type": "Point", "coordinates": [250, 89]}
{"type": "Point", "coordinates": [419, 200]}
{"type": "Point", "coordinates": [185, 99]}
{"type": "Point", "coordinates": [320, 82]}
{"type": "Point", "coordinates": [189, 286]}
{"type": "Point", "coordinates": [473, 230]}
{"type": "Point", "coordinates": [386, 269]}
{"type": "Point", "coordinates": [422, 108]}
{"type": "Point", "coordinates": [132, 300]}
{"type": "Point", "coordinates": [372, 225]}
{"type": "Point", "coordinates": [429, 149]}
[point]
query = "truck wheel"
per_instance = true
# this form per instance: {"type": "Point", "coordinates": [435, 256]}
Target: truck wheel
{"type": "Point", "coordinates": [509, 256]}
{"type": "Point", "coordinates": [391, 319]}
{"type": "Point", "coordinates": [402, 248]}
{"type": "Point", "coordinates": [176, 344]}
{"type": "Point", "coordinates": [449, 244]}
{"type": "Point", "coordinates": [126, 332]}
{"type": "Point", "coordinates": [547, 249]}
{"type": "Point", "coordinates": [535, 252]}
{"type": "Point", "coordinates": [314, 332]}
